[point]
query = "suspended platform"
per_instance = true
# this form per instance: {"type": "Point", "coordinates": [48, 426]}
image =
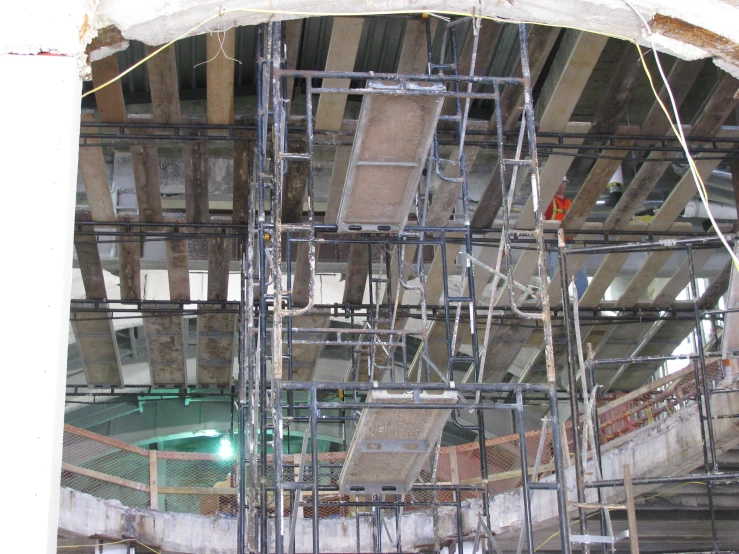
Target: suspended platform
{"type": "Point", "coordinates": [390, 446]}
{"type": "Point", "coordinates": [393, 137]}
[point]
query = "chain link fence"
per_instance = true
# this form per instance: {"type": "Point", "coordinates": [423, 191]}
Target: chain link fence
{"type": "Point", "coordinates": [204, 483]}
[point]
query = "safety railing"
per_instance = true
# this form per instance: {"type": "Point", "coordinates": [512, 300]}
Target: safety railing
{"type": "Point", "coordinates": [204, 483]}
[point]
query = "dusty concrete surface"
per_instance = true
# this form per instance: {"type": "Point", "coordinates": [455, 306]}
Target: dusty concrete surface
{"type": "Point", "coordinates": [159, 21]}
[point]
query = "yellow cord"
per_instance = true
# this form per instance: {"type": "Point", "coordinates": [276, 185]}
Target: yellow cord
{"type": "Point", "coordinates": [550, 537]}
{"type": "Point", "coordinates": [109, 543]}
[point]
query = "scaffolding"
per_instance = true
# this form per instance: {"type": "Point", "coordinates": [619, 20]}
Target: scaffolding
{"type": "Point", "coordinates": [431, 369]}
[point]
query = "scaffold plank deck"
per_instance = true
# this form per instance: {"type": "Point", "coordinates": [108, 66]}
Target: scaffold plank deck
{"type": "Point", "coordinates": [393, 137]}
{"type": "Point", "coordinates": [390, 446]}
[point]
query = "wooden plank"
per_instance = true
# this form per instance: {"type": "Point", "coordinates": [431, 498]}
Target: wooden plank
{"type": "Point", "coordinates": [219, 47]}
{"type": "Point", "coordinates": [153, 481]}
{"type": "Point", "coordinates": [177, 269]}
{"type": "Point", "coordinates": [356, 276]}
{"type": "Point", "coordinates": [88, 258]}
{"type": "Point", "coordinates": [105, 477]}
{"type": "Point", "coordinates": [541, 42]}
{"type": "Point", "coordinates": [145, 164]}
{"type": "Point", "coordinates": [198, 490]}
{"type": "Point", "coordinates": [342, 53]}
{"type": "Point", "coordinates": [220, 50]}
{"type": "Point", "coordinates": [596, 182]}
{"type": "Point", "coordinates": [215, 360]}
{"type": "Point", "coordinates": [617, 96]}
{"type": "Point", "coordinates": [454, 465]}
{"type": "Point", "coordinates": [657, 383]}
{"type": "Point", "coordinates": [219, 262]}
{"type": "Point", "coordinates": [165, 99]}
{"type": "Point", "coordinates": [293, 36]}
{"type": "Point", "coordinates": [166, 343]}
{"type": "Point", "coordinates": [295, 181]}
{"type": "Point", "coordinates": [109, 100]}
{"type": "Point", "coordinates": [414, 52]}
{"type": "Point", "coordinates": [680, 78]}
{"type": "Point", "coordinates": [550, 177]}
{"type": "Point", "coordinates": [631, 511]}
{"type": "Point", "coordinates": [108, 441]}
{"type": "Point", "coordinates": [164, 85]}
{"type": "Point", "coordinates": [505, 475]}
{"type": "Point", "coordinates": [681, 278]}
{"type": "Point", "coordinates": [570, 70]}
{"type": "Point", "coordinates": [129, 263]}
{"type": "Point", "coordinates": [95, 178]}
{"type": "Point", "coordinates": [195, 156]}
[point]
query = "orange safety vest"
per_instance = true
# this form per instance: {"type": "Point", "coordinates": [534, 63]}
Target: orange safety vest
{"type": "Point", "coordinates": [557, 209]}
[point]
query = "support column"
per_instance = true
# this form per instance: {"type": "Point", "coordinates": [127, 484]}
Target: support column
{"type": "Point", "coordinates": [38, 156]}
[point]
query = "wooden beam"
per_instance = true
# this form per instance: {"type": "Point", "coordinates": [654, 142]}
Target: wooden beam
{"type": "Point", "coordinates": [198, 490]}
{"type": "Point", "coordinates": [153, 481]}
{"type": "Point", "coordinates": [105, 477]}
{"type": "Point", "coordinates": [293, 36]}
{"type": "Point", "coordinates": [95, 178]}
{"type": "Point", "coordinates": [165, 99]}
{"type": "Point", "coordinates": [342, 54]}
{"type": "Point", "coordinates": [129, 262]}
{"type": "Point", "coordinates": [569, 73]}
{"type": "Point", "coordinates": [596, 183]}
{"type": "Point", "coordinates": [414, 52]}
{"type": "Point", "coordinates": [107, 441]}
{"type": "Point", "coordinates": [541, 42]}
{"type": "Point", "coordinates": [681, 278]}
{"type": "Point", "coordinates": [295, 183]}
{"type": "Point", "coordinates": [356, 276]}
{"type": "Point", "coordinates": [164, 85]}
{"type": "Point", "coordinates": [88, 258]}
{"type": "Point", "coordinates": [109, 100]}
{"type": "Point", "coordinates": [219, 48]}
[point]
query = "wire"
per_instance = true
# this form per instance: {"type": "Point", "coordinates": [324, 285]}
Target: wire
{"type": "Point", "coordinates": [678, 130]}
{"type": "Point", "coordinates": [109, 543]}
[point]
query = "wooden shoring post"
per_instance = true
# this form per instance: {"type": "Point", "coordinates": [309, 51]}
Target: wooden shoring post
{"type": "Point", "coordinates": [153, 481]}
{"type": "Point", "coordinates": [454, 465]}
{"type": "Point", "coordinates": [631, 510]}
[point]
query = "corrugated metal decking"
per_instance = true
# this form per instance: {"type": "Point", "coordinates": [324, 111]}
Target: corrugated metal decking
{"type": "Point", "coordinates": [390, 446]}
{"type": "Point", "coordinates": [393, 137]}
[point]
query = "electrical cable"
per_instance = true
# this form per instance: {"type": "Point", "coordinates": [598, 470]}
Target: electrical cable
{"type": "Point", "coordinates": [677, 129]}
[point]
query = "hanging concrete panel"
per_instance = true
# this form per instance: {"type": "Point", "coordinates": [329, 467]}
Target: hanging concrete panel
{"type": "Point", "coordinates": [390, 445]}
{"type": "Point", "coordinates": [392, 140]}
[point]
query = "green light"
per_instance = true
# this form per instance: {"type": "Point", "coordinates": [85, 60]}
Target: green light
{"type": "Point", "coordinates": [225, 451]}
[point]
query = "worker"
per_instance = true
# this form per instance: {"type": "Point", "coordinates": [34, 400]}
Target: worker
{"type": "Point", "coordinates": [556, 212]}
